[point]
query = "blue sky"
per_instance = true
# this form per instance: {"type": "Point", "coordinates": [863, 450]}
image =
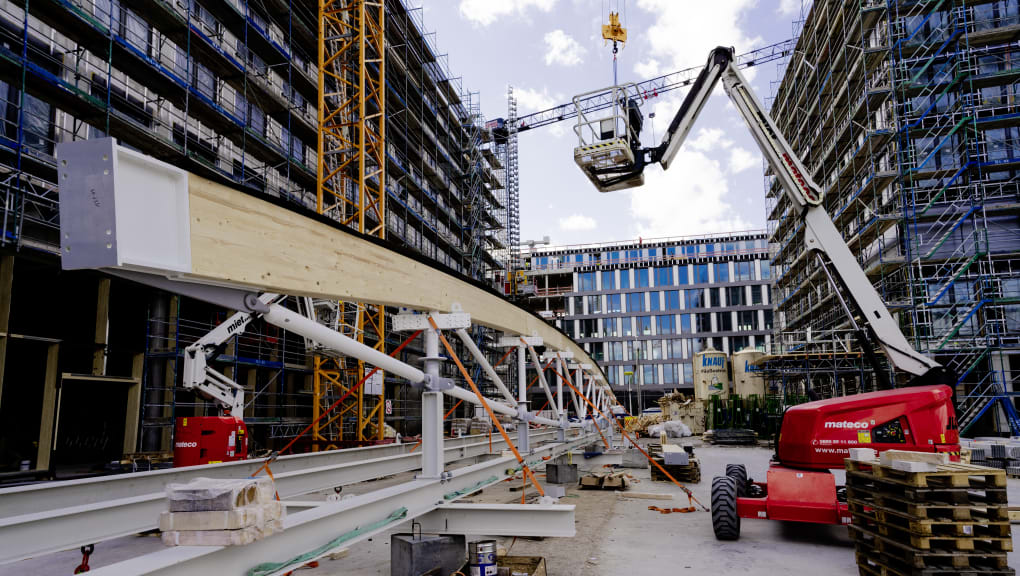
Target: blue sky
{"type": "Point", "coordinates": [550, 50]}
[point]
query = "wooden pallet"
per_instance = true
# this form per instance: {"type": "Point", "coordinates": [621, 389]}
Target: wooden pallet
{"type": "Point", "coordinates": [934, 527]}
{"type": "Point", "coordinates": [978, 510]}
{"type": "Point", "coordinates": [865, 486]}
{"type": "Point", "coordinates": [878, 565]}
{"type": "Point", "coordinates": [979, 539]}
{"type": "Point", "coordinates": [690, 473]}
{"type": "Point", "coordinates": [952, 475]}
{"type": "Point", "coordinates": [941, 559]}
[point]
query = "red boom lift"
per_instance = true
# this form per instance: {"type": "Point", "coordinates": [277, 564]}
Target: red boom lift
{"type": "Point", "coordinates": [814, 437]}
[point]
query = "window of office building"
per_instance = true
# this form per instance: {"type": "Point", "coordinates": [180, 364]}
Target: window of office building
{"type": "Point", "coordinates": [568, 329]}
{"type": "Point", "coordinates": [634, 350]}
{"type": "Point", "coordinates": [624, 279]}
{"type": "Point", "coordinates": [614, 303]}
{"type": "Point", "coordinates": [671, 300]}
{"type": "Point", "coordinates": [651, 374]}
{"type": "Point", "coordinates": [743, 271]}
{"type": "Point", "coordinates": [609, 279]}
{"type": "Point", "coordinates": [735, 296]}
{"type": "Point", "coordinates": [664, 276]}
{"type": "Point", "coordinates": [764, 269]}
{"type": "Point", "coordinates": [655, 349]}
{"type": "Point", "coordinates": [636, 302]}
{"type": "Point", "coordinates": [715, 296]}
{"type": "Point", "coordinates": [722, 272]}
{"type": "Point", "coordinates": [697, 345]}
{"type": "Point", "coordinates": [669, 374]}
{"type": "Point", "coordinates": [768, 320]}
{"type": "Point", "coordinates": [627, 326]}
{"type": "Point", "coordinates": [654, 299]}
{"type": "Point", "coordinates": [578, 304]}
{"type": "Point", "coordinates": [666, 324]}
{"type": "Point", "coordinates": [594, 304]}
{"type": "Point", "coordinates": [694, 298]}
{"type": "Point", "coordinates": [612, 327]}
{"type": "Point", "coordinates": [633, 255]}
{"type": "Point", "coordinates": [589, 328]}
{"type": "Point", "coordinates": [738, 343]}
{"type": "Point", "coordinates": [678, 348]}
{"type": "Point", "coordinates": [644, 325]}
{"type": "Point", "coordinates": [700, 274]}
{"type": "Point", "coordinates": [747, 320]}
{"type": "Point", "coordinates": [615, 351]}
{"type": "Point", "coordinates": [586, 282]}
{"type": "Point", "coordinates": [641, 277]}
{"type": "Point", "coordinates": [685, 323]}
{"type": "Point", "coordinates": [725, 321]}
{"type": "Point", "coordinates": [597, 352]}
{"type": "Point", "coordinates": [703, 322]}
{"type": "Point", "coordinates": [681, 275]}
{"type": "Point", "coordinates": [756, 292]}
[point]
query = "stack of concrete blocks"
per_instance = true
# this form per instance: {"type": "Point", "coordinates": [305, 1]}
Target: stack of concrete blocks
{"type": "Point", "coordinates": [221, 512]}
{"type": "Point", "coordinates": [559, 473]}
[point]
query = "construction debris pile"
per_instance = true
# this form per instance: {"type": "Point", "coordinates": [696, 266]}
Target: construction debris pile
{"type": "Point", "coordinates": [220, 512]}
{"type": "Point", "coordinates": [918, 513]}
{"type": "Point", "coordinates": [677, 406]}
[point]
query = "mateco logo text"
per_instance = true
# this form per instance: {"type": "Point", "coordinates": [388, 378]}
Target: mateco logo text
{"type": "Point", "coordinates": [846, 425]}
{"type": "Point", "coordinates": [186, 444]}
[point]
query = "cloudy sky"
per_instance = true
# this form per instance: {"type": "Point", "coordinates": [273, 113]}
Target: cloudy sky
{"type": "Point", "coordinates": [550, 50]}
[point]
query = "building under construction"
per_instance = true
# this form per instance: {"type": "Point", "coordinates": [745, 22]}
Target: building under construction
{"type": "Point", "coordinates": [906, 113]}
{"type": "Point", "coordinates": [227, 90]}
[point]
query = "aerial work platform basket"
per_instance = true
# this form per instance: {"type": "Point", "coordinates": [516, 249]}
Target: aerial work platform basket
{"type": "Point", "coordinates": [609, 136]}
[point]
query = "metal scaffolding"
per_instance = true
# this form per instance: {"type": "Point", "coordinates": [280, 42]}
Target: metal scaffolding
{"type": "Point", "coordinates": [906, 113]}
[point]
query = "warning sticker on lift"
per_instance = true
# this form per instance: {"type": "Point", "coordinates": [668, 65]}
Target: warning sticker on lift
{"type": "Point", "coordinates": [864, 436]}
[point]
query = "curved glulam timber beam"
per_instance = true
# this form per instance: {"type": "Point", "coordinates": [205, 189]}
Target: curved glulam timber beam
{"type": "Point", "coordinates": [238, 239]}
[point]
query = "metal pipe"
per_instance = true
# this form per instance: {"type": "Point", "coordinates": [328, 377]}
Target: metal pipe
{"type": "Point", "coordinates": [289, 320]}
{"type": "Point", "coordinates": [541, 375]}
{"type": "Point", "coordinates": [432, 413]}
{"type": "Point", "coordinates": [523, 442]}
{"type": "Point", "coordinates": [484, 362]}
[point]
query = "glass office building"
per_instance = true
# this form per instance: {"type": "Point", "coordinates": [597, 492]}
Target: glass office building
{"type": "Point", "coordinates": [644, 308]}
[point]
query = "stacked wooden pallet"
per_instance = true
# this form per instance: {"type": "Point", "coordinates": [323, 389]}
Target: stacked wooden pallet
{"type": "Point", "coordinates": [690, 472]}
{"type": "Point", "coordinates": [731, 436]}
{"type": "Point", "coordinates": [950, 520]}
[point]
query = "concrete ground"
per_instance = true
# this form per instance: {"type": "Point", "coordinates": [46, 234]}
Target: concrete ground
{"type": "Point", "coordinates": [615, 535]}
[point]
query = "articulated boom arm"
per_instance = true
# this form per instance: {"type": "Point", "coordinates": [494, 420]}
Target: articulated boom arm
{"type": "Point", "coordinates": [202, 378]}
{"type": "Point", "coordinates": [820, 234]}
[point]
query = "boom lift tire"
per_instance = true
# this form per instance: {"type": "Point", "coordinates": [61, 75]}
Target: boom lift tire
{"type": "Point", "coordinates": [725, 521]}
{"type": "Point", "coordinates": [739, 474]}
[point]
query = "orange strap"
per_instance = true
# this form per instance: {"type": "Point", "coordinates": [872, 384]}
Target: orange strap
{"type": "Point", "coordinates": [624, 432]}
{"type": "Point", "coordinates": [485, 404]}
{"type": "Point", "coordinates": [505, 356]}
{"type": "Point", "coordinates": [325, 412]}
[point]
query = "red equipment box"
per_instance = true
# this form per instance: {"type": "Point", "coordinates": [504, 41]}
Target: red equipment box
{"type": "Point", "coordinates": [209, 440]}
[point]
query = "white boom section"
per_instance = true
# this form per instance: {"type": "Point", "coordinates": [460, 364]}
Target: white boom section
{"type": "Point", "coordinates": [202, 378]}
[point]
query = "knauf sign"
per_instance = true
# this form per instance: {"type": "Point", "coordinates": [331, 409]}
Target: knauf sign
{"type": "Point", "coordinates": [711, 374]}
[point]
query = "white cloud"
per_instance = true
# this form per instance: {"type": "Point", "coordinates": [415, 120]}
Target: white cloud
{"type": "Point", "coordinates": [741, 159]}
{"type": "Point", "coordinates": [577, 222]}
{"type": "Point", "coordinates": [562, 49]}
{"type": "Point", "coordinates": [684, 32]}
{"type": "Point", "coordinates": [708, 139]}
{"type": "Point", "coordinates": [533, 100]}
{"type": "Point", "coordinates": [486, 12]}
{"type": "Point", "coordinates": [789, 7]}
{"type": "Point", "coordinates": [690, 198]}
